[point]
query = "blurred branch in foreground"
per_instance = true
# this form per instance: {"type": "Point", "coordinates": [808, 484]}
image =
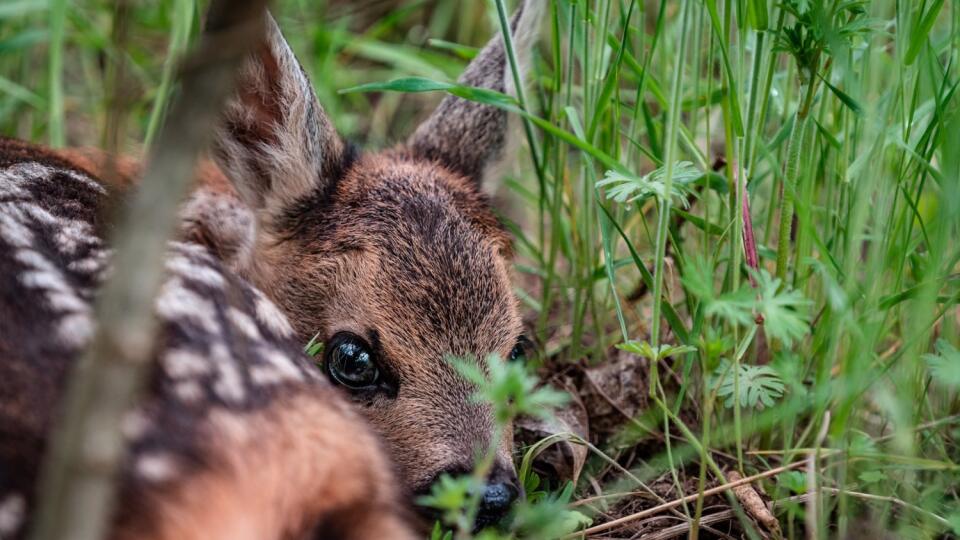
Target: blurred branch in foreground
{"type": "Point", "coordinates": [78, 484]}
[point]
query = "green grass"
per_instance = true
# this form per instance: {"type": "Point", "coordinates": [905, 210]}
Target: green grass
{"type": "Point", "coordinates": [840, 129]}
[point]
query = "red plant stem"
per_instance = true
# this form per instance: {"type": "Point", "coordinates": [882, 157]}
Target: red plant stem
{"type": "Point", "coordinates": [749, 240]}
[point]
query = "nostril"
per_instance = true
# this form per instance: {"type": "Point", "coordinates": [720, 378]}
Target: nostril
{"type": "Point", "coordinates": [497, 499]}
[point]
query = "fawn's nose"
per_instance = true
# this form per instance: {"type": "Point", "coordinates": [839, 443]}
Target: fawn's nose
{"type": "Point", "coordinates": [500, 493]}
{"type": "Point", "coordinates": [497, 499]}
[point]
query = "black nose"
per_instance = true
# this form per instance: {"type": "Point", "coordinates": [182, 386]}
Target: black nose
{"type": "Point", "coordinates": [495, 503]}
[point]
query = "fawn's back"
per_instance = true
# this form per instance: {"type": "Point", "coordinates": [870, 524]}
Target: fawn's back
{"type": "Point", "coordinates": [238, 436]}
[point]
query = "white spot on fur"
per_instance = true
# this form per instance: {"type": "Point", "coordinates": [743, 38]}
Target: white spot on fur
{"type": "Point", "coordinates": [96, 263]}
{"type": "Point", "coordinates": [189, 392]}
{"type": "Point", "coordinates": [180, 363]}
{"type": "Point", "coordinates": [66, 302]}
{"type": "Point", "coordinates": [13, 231]}
{"type": "Point", "coordinates": [244, 323]}
{"type": "Point", "coordinates": [14, 177]}
{"type": "Point", "coordinates": [176, 302]}
{"type": "Point", "coordinates": [229, 384]}
{"type": "Point", "coordinates": [154, 467]}
{"type": "Point", "coordinates": [279, 368]}
{"type": "Point", "coordinates": [13, 509]}
{"type": "Point", "coordinates": [70, 233]}
{"type": "Point", "coordinates": [201, 273]}
{"type": "Point", "coordinates": [76, 326]}
{"type": "Point", "coordinates": [87, 181]}
{"type": "Point", "coordinates": [43, 279]}
{"type": "Point", "coordinates": [76, 329]}
{"type": "Point", "coordinates": [34, 259]}
{"type": "Point", "coordinates": [270, 316]}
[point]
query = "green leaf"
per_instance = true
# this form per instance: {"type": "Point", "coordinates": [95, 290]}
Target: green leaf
{"type": "Point", "coordinates": [450, 495]}
{"type": "Point", "coordinates": [508, 388]}
{"type": "Point", "coordinates": [843, 97]}
{"type": "Point", "coordinates": [921, 31]}
{"type": "Point", "coordinates": [550, 517]}
{"type": "Point", "coordinates": [21, 93]}
{"type": "Point", "coordinates": [795, 481]}
{"type": "Point", "coordinates": [644, 349]}
{"type": "Point", "coordinates": [700, 223]}
{"type": "Point", "coordinates": [439, 534]}
{"type": "Point", "coordinates": [759, 386]}
{"type": "Point", "coordinates": [872, 477]}
{"type": "Point", "coordinates": [954, 520]}
{"type": "Point", "coordinates": [945, 365]}
{"type": "Point", "coordinates": [626, 188]}
{"type": "Point", "coordinates": [698, 279]}
{"type": "Point", "coordinates": [493, 98]}
{"type": "Point", "coordinates": [735, 307]}
{"type": "Point", "coordinates": [784, 312]}
{"type": "Point", "coordinates": [313, 347]}
{"type": "Point", "coordinates": [406, 84]}
{"type": "Point", "coordinates": [463, 51]}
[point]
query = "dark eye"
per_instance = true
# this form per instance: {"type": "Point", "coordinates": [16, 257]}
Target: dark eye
{"type": "Point", "coordinates": [522, 350]}
{"type": "Point", "coordinates": [351, 363]}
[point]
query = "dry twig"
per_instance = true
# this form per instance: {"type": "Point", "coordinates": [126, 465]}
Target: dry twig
{"type": "Point", "coordinates": [678, 502]}
{"type": "Point", "coordinates": [80, 469]}
{"type": "Point", "coordinates": [754, 505]}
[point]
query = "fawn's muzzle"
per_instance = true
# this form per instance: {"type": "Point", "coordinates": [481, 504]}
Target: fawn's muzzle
{"type": "Point", "coordinates": [495, 503]}
{"type": "Point", "coordinates": [498, 496]}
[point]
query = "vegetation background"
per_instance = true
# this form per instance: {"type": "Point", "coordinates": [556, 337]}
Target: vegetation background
{"type": "Point", "coordinates": [736, 224]}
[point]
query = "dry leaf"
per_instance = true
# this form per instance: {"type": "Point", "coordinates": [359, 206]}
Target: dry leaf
{"type": "Point", "coordinates": [563, 460]}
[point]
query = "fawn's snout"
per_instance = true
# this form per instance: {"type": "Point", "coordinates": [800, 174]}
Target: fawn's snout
{"type": "Point", "coordinates": [501, 491]}
{"type": "Point", "coordinates": [498, 494]}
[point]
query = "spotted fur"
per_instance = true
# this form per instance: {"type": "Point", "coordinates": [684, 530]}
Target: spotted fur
{"type": "Point", "coordinates": [239, 436]}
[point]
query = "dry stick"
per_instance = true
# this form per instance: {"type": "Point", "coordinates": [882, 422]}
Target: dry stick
{"type": "Point", "coordinates": [803, 497]}
{"type": "Point", "coordinates": [814, 503]}
{"type": "Point", "coordinates": [684, 528]}
{"type": "Point", "coordinates": [80, 471]}
{"type": "Point", "coordinates": [677, 502]}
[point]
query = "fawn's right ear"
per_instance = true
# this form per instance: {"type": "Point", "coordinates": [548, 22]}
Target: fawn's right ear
{"type": "Point", "coordinates": [275, 143]}
{"type": "Point", "coordinates": [468, 137]}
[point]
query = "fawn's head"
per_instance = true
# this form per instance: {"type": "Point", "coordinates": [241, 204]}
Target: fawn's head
{"type": "Point", "coordinates": [394, 259]}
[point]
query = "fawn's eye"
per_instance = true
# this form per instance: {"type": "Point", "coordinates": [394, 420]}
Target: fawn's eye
{"type": "Point", "coordinates": [522, 350]}
{"type": "Point", "coordinates": [351, 363]}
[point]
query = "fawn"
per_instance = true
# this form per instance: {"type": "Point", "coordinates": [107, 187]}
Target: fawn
{"type": "Point", "coordinates": [393, 259]}
{"type": "Point", "coordinates": [238, 437]}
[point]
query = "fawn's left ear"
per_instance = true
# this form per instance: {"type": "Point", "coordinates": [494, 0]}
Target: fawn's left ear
{"type": "Point", "coordinates": [275, 143]}
{"type": "Point", "coordinates": [469, 137]}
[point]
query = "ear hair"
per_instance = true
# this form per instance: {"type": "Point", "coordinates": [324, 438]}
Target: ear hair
{"type": "Point", "coordinates": [275, 143]}
{"type": "Point", "coordinates": [469, 137]}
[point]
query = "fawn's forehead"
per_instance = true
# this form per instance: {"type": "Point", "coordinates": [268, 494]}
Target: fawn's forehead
{"type": "Point", "coordinates": [434, 252]}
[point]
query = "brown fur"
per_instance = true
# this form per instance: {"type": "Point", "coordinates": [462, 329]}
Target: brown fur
{"type": "Point", "coordinates": [409, 256]}
{"type": "Point", "coordinates": [286, 472]}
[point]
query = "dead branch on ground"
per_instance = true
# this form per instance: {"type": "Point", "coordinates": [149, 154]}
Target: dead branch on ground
{"type": "Point", "coordinates": [80, 470]}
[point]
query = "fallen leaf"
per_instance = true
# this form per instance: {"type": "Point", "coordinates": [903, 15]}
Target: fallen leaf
{"type": "Point", "coordinates": [563, 460]}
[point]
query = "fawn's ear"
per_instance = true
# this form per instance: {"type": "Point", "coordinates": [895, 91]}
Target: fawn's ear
{"type": "Point", "coordinates": [469, 137]}
{"type": "Point", "coordinates": [275, 143]}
